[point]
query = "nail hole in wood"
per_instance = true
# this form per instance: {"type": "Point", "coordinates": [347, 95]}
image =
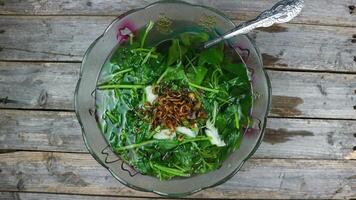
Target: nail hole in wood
{"type": "Point", "coordinates": [354, 148]}
{"type": "Point", "coordinates": [2, 2]}
{"type": "Point", "coordinates": [91, 112]}
{"type": "Point", "coordinates": [352, 9]}
{"type": "Point", "coordinates": [354, 134]}
{"type": "Point", "coordinates": [353, 40]}
{"type": "Point", "coordinates": [355, 107]}
{"type": "Point", "coordinates": [89, 3]}
{"type": "Point", "coordinates": [2, 31]}
{"type": "Point", "coordinates": [355, 58]}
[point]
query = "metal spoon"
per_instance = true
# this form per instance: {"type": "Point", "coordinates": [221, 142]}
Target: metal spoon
{"type": "Point", "coordinates": [282, 12]}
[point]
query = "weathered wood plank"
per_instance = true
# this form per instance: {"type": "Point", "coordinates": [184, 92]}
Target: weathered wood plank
{"type": "Point", "coordinates": [315, 12]}
{"type": "Point", "coordinates": [273, 178]}
{"type": "Point", "coordinates": [285, 138]}
{"type": "Point", "coordinates": [32, 130]}
{"type": "Point", "coordinates": [313, 94]}
{"type": "Point", "coordinates": [317, 139]}
{"type": "Point", "coordinates": [307, 47]}
{"type": "Point", "coordinates": [8, 195]}
{"type": "Point", "coordinates": [48, 38]}
{"type": "Point", "coordinates": [296, 94]}
{"type": "Point", "coordinates": [65, 38]}
{"type": "Point", "coordinates": [39, 85]}
{"type": "Point", "coordinates": [46, 196]}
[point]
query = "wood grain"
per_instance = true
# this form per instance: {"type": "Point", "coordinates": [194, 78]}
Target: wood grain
{"type": "Point", "coordinates": [48, 38]}
{"type": "Point", "coordinates": [313, 95]}
{"type": "Point", "coordinates": [306, 47]}
{"type": "Point", "coordinates": [315, 12]}
{"type": "Point", "coordinates": [39, 85]}
{"type": "Point", "coordinates": [81, 174]}
{"type": "Point", "coordinates": [285, 138]}
{"type": "Point", "coordinates": [295, 94]}
{"type": "Point", "coordinates": [48, 131]}
{"type": "Point", "coordinates": [66, 38]}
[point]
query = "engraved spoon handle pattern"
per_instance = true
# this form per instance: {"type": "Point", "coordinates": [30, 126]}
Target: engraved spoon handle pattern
{"type": "Point", "coordinates": [282, 12]}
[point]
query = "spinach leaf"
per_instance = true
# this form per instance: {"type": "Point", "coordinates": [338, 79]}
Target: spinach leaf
{"type": "Point", "coordinates": [175, 52]}
{"type": "Point", "coordinates": [173, 73]}
{"type": "Point", "coordinates": [194, 39]}
{"type": "Point", "coordinates": [211, 56]}
{"type": "Point", "coordinates": [197, 74]}
{"type": "Point", "coordinates": [167, 144]}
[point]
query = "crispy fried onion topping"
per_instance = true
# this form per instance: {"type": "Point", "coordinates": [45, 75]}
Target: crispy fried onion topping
{"type": "Point", "coordinates": [172, 108]}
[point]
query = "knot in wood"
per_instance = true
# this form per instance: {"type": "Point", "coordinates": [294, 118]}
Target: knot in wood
{"type": "Point", "coordinates": [42, 99]}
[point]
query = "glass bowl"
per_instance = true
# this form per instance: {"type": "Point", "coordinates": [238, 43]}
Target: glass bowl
{"type": "Point", "coordinates": [170, 17]}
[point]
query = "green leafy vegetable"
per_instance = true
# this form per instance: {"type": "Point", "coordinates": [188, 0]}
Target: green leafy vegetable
{"type": "Point", "coordinates": [137, 72]}
{"type": "Point", "coordinates": [212, 56]}
{"type": "Point", "coordinates": [197, 74]}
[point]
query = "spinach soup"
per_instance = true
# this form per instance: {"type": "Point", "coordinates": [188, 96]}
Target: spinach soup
{"type": "Point", "coordinates": [176, 110]}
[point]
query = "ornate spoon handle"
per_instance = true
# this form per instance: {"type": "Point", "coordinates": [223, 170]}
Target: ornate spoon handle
{"type": "Point", "coordinates": [282, 12]}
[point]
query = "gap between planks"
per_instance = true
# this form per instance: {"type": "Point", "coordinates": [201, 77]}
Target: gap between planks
{"type": "Point", "coordinates": [276, 117]}
{"type": "Point", "coordinates": [293, 178]}
{"type": "Point", "coordinates": [115, 16]}
{"type": "Point", "coordinates": [7, 151]}
{"type": "Point", "coordinates": [338, 13]}
{"type": "Point", "coordinates": [266, 68]}
{"type": "Point", "coordinates": [60, 132]}
{"type": "Point", "coordinates": [18, 195]}
{"type": "Point", "coordinates": [284, 46]}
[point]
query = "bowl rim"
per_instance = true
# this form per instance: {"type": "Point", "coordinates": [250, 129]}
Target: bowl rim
{"type": "Point", "coordinates": [93, 154]}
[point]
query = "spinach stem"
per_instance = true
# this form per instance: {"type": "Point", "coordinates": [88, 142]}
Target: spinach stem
{"type": "Point", "coordinates": [116, 86]}
{"type": "Point", "coordinates": [153, 56]}
{"type": "Point", "coordinates": [170, 170]}
{"type": "Point", "coordinates": [117, 73]}
{"type": "Point", "coordinates": [178, 167]}
{"type": "Point", "coordinates": [122, 72]}
{"type": "Point", "coordinates": [180, 51]}
{"type": "Point", "coordinates": [133, 146]}
{"type": "Point", "coordinates": [202, 138]}
{"type": "Point", "coordinates": [113, 119]}
{"type": "Point", "coordinates": [148, 29]}
{"type": "Point", "coordinates": [131, 38]}
{"type": "Point", "coordinates": [146, 51]}
{"type": "Point", "coordinates": [237, 125]}
{"type": "Point", "coordinates": [215, 78]}
{"type": "Point", "coordinates": [215, 111]}
{"type": "Point", "coordinates": [163, 75]}
{"type": "Point", "coordinates": [191, 63]}
{"type": "Point", "coordinates": [224, 101]}
{"type": "Point", "coordinates": [149, 54]}
{"type": "Point", "coordinates": [141, 49]}
{"type": "Point", "coordinates": [151, 134]}
{"type": "Point", "coordinates": [204, 88]}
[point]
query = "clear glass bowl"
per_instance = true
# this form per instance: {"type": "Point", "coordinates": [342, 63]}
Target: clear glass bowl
{"type": "Point", "coordinates": [168, 17]}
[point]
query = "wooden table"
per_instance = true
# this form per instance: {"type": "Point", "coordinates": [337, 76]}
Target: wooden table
{"type": "Point", "coordinates": [310, 146]}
